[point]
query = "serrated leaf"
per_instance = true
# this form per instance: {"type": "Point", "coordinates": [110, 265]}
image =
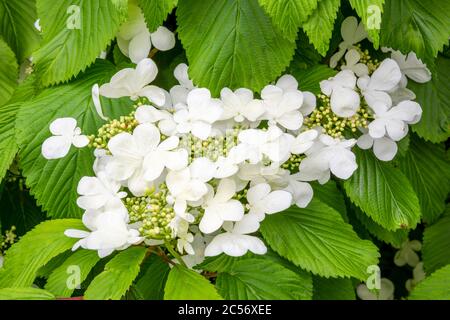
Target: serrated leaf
{"type": "Point", "coordinates": [288, 15]}
{"type": "Point", "coordinates": [329, 194]}
{"type": "Point", "coordinates": [317, 239]}
{"type": "Point", "coordinates": [319, 26]}
{"type": "Point", "coordinates": [436, 244]}
{"type": "Point", "coordinates": [17, 19]}
{"type": "Point", "coordinates": [154, 276]}
{"type": "Point", "coordinates": [63, 280]}
{"type": "Point", "coordinates": [233, 45]}
{"type": "Point", "coordinates": [185, 284]}
{"type": "Point", "coordinates": [34, 250]}
{"type": "Point", "coordinates": [434, 97]}
{"type": "Point", "coordinates": [383, 193]}
{"type": "Point", "coordinates": [333, 289]}
{"type": "Point", "coordinates": [75, 32]}
{"type": "Point", "coordinates": [434, 287]}
{"type": "Point", "coordinates": [415, 25]}
{"type": "Point", "coordinates": [8, 72]}
{"type": "Point", "coordinates": [54, 183]}
{"type": "Point", "coordinates": [118, 276]}
{"type": "Point", "coordinates": [309, 79]}
{"type": "Point", "coordinates": [370, 12]}
{"type": "Point", "coordinates": [156, 11]}
{"type": "Point", "coordinates": [428, 171]}
{"type": "Point", "coordinates": [8, 145]}
{"type": "Point", "coordinates": [25, 294]}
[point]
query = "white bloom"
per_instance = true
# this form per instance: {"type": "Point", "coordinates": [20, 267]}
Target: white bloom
{"type": "Point", "coordinates": [199, 115]}
{"type": "Point", "coordinates": [304, 141]}
{"type": "Point", "coordinates": [198, 246]}
{"type": "Point", "coordinates": [394, 122]}
{"type": "Point", "coordinates": [179, 93]}
{"type": "Point", "coordinates": [334, 156]}
{"type": "Point", "coordinates": [240, 105]}
{"type": "Point", "coordinates": [97, 103]}
{"type": "Point", "coordinates": [418, 275]}
{"type": "Point", "coordinates": [235, 241]}
{"type": "Point", "coordinates": [385, 79]}
{"type": "Point", "coordinates": [220, 207]}
{"type": "Point", "coordinates": [344, 100]}
{"type": "Point", "coordinates": [352, 58]}
{"type": "Point", "coordinates": [407, 255]}
{"type": "Point", "coordinates": [384, 148]}
{"type": "Point", "coordinates": [262, 201]}
{"type": "Point", "coordinates": [386, 291]}
{"type": "Point", "coordinates": [134, 39]}
{"type": "Point", "coordinates": [133, 83]}
{"type": "Point", "coordinates": [352, 33]}
{"type": "Point", "coordinates": [275, 176]}
{"type": "Point", "coordinates": [411, 67]}
{"type": "Point", "coordinates": [302, 192]}
{"type": "Point", "coordinates": [65, 133]}
{"type": "Point", "coordinates": [185, 238]}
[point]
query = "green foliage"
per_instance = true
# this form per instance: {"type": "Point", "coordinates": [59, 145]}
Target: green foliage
{"type": "Point", "coordinates": [74, 34]}
{"type": "Point", "coordinates": [8, 145]}
{"type": "Point", "coordinates": [8, 72]}
{"type": "Point", "coordinates": [383, 192]}
{"type": "Point", "coordinates": [436, 244]}
{"type": "Point", "coordinates": [434, 287]}
{"type": "Point", "coordinates": [185, 284]}
{"type": "Point", "coordinates": [310, 78]}
{"type": "Point", "coordinates": [318, 240]}
{"type": "Point", "coordinates": [330, 195]}
{"type": "Point", "coordinates": [25, 294]}
{"type": "Point", "coordinates": [370, 13]}
{"type": "Point", "coordinates": [156, 11]}
{"type": "Point", "coordinates": [319, 26]}
{"type": "Point", "coordinates": [118, 276]}
{"type": "Point", "coordinates": [17, 19]}
{"type": "Point", "coordinates": [333, 289]}
{"type": "Point", "coordinates": [232, 44]}
{"type": "Point", "coordinates": [150, 284]}
{"type": "Point", "coordinates": [34, 250]}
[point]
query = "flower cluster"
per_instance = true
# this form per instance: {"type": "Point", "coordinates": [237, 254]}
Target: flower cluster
{"type": "Point", "coordinates": [200, 173]}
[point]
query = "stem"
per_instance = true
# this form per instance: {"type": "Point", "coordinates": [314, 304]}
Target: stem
{"type": "Point", "coordinates": [174, 253]}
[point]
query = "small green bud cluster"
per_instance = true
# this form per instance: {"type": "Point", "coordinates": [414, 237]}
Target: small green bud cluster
{"type": "Point", "coordinates": [153, 211]}
{"type": "Point", "coordinates": [372, 64]}
{"type": "Point", "coordinates": [8, 239]}
{"type": "Point", "coordinates": [293, 163]}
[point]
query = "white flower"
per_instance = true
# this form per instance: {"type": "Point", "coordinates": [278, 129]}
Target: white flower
{"type": "Point", "coordinates": [407, 255]}
{"type": "Point", "coordinates": [240, 105]}
{"type": "Point", "coordinates": [302, 192]}
{"type": "Point", "coordinates": [334, 156]}
{"type": "Point", "coordinates": [275, 176]}
{"type": "Point", "coordinates": [198, 245]}
{"type": "Point", "coordinates": [100, 191]}
{"type": "Point", "coordinates": [220, 207]}
{"type": "Point", "coordinates": [418, 275]}
{"type": "Point", "coordinates": [65, 133]}
{"type": "Point", "coordinates": [394, 122]}
{"type": "Point", "coordinates": [384, 148]}
{"type": "Point", "coordinates": [133, 83]}
{"type": "Point", "coordinates": [236, 241]}
{"type": "Point", "coordinates": [344, 100]}
{"type": "Point", "coordinates": [352, 58]}
{"type": "Point", "coordinates": [185, 238]}
{"type": "Point", "coordinates": [411, 67]}
{"type": "Point", "coordinates": [385, 79]}
{"type": "Point", "coordinates": [262, 201]}
{"type": "Point", "coordinates": [304, 141]}
{"type": "Point", "coordinates": [97, 103]}
{"type": "Point", "coordinates": [199, 115]}
{"type": "Point", "coordinates": [386, 291]}
{"type": "Point", "coordinates": [134, 39]}
{"type": "Point", "coordinates": [352, 33]}
{"type": "Point", "coordinates": [179, 93]}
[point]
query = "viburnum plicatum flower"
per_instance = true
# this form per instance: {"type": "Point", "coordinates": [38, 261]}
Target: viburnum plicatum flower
{"type": "Point", "coordinates": [262, 200]}
{"type": "Point", "coordinates": [352, 33]}
{"type": "Point", "coordinates": [352, 58]}
{"type": "Point", "coordinates": [240, 105]}
{"type": "Point", "coordinates": [411, 67]}
{"type": "Point", "coordinates": [384, 148]}
{"type": "Point", "coordinates": [96, 100]}
{"type": "Point", "coordinates": [65, 134]}
{"type": "Point", "coordinates": [386, 291]}
{"type": "Point", "coordinates": [344, 100]}
{"type": "Point", "coordinates": [376, 88]}
{"type": "Point", "coordinates": [407, 253]}
{"type": "Point", "coordinates": [199, 114]}
{"type": "Point", "coordinates": [235, 241]}
{"type": "Point", "coordinates": [134, 39]}
{"type": "Point", "coordinates": [302, 192]}
{"type": "Point", "coordinates": [304, 141]}
{"type": "Point", "coordinates": [134, 83]}
{"type": "Point", "coordinates": [394, 121]}
{"type": "Point", "coordinates": [179, 93]}
{"type": "Point", "coordinates": [418, 275]}
{"type": "Point", "coordinates": [220, 207]}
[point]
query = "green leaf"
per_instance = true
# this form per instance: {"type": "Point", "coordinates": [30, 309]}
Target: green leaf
{"type": "Point", "coordinates": [25, 294]}
{"type": "Point", "coordinates": [319, 26]}
{"type": "Point", "coordinates": [333, 289]}
{"type": "Point", "coordinates": [383, 193]}
{"type": "Point", "coordinates": [185, 284]}
{"type": "Point", "coordinates": [436, 244]}
{"type": "Point", "coordinates": [330, 195]}
{"type": "Point", "coordinates": [17, 26]}
{"type": "Point", "coordinates": [317, 239]}
{"type": "Point", "coordinates": [156, 11]}
{"type": "Point", "coordinates": [428, 171]}
{"type": "Point", "coordinates": [118, 276]}
{"type": "Point", "coordinates": [416, 25]}
{"type": "Point", "coordinates": [8, 145]}
{"type": "Point", "coordinates": [288, 15]}
{"type": "Point", "coordinates": [34, 250]}
{"type": "Point", "coordinates": [9, 72]}
{"type": "Point", "coordinates": [232, 45]}
{"type": "Point", "coordinates": [434, 287]}
{"type": "Point", "coordinates": [151, 284]}
{"type": "Point", "coordinates": [54, 182]}
{"type": "Point", "coordinates": [310, 78]}
{"type": "Point", "coordinates": [370, 13]}
{"type": "Point", "coordinates": [70, 274]}
{"type": "Point", "coordinates": [434, 97]}
{"type": "Point", "coordinates": [75, 32]}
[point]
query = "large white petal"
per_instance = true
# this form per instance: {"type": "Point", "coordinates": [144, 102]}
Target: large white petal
{"type": "Point", "coordinates": [163, 39]}
{"type": "Point", "coordinates": [385, 149]}
{"type": "Point", "coordinates": [139, 47]}
{"type": "Point", "coordinates": [211, 221]}
{"type": "Point", "coordinates": [256, 193]}
{"type": "Point", "coordinates": [386, 77]}
{"type": "Point", "coordinates": [63, 126]}
{"type": "Point", "coordinates": [277, 201]}
{"type": "Point", "coordinates": [153, 94]}
{"type": "Point", "coordinates": [344, 102]}
{"type": "Point", "coordinates": [56, 147]}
